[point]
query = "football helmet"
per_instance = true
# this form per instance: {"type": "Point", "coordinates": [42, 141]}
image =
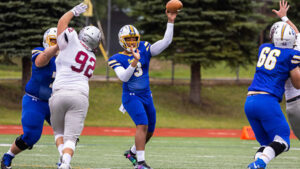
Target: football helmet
{"type": "Point", "coordinates": [90, 36]}
{"type": "Point", "coordinates": [125, 34]}
{"type": "Point", "coordinates": [282, 35]}
{"type": "Point", "coordinates": [49, 35]}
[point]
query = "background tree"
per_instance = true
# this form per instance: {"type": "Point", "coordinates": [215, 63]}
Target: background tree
{"type": "Point", "coordinates": [23, 23]}
{"type": "Point", "coordinates": [206, 32]}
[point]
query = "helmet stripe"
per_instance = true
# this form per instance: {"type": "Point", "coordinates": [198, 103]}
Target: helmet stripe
{"type": "Point", "coordinates": [131, 29]}
{"type": "Point", "coordinates": [282, 31]}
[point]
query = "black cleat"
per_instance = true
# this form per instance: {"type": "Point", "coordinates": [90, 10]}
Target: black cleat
{"type": "Point", "coordinates": [131, 157]}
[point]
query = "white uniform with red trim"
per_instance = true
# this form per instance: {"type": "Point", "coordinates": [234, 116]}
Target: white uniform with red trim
{"type": "Point", "coordinates": [69, 101]}
{"type": "Point", "coordinates": [74, 64]}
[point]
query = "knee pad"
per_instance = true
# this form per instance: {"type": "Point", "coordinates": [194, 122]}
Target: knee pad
{"type": "Point", "coordinates": [20, 143]}
{"type": "Point", "coordinates": [279, 145]}
{"type": "Point", "coordinates": [283, 142]}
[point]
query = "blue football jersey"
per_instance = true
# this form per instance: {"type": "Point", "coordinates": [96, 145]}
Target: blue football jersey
{"type": "Point", "coordinates": [40, 83]}
{"type": "Point", "coordinates": [139, 81]}
{"type": "Point", "coordinates": [272, 69]}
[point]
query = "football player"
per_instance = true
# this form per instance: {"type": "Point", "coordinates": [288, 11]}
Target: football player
{"type": "Point", "coordinates": [132, 67]}
{"type": "Point", "coordinates": [292, 95]}
{"type": "Point", "coordinates": [74, 66]}
{"type": "Point", "coordinates": [276, 63]}
{"type": "Point", "coordinates": [35, 107]}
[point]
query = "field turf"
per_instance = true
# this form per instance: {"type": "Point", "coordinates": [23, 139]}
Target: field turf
{"type": "Point", "coordinates": [162, 153]}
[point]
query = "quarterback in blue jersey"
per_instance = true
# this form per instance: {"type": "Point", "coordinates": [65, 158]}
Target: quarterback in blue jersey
{"type": "Point", "coordinates": [132, 67]}
{"type": "Point", "coordinates": [35, 107]}
{"type": "Point", "coordinates": [276, 63]}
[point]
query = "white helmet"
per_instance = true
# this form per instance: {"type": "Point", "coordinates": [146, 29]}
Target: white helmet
{"type": "Point", "coordinates": [90, 36]}
{"type": "Point", "coordinates": [282, 35]}
{"type": "Point", "coordinates": [129, 31]}
{"type": "Point", "coordinates": [49, 35]}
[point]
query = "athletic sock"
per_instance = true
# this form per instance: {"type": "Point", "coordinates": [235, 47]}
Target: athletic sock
{"type": "Point", "coordinates": [140, 155]}
{"type": "Point", "coordinates": [66, 158]}
{"type": "Point", "coordinates": [268, 154]}
{"type": "Point", "coordinates": [60, 149]}
{"type": "Point", "coordinates": [10, 153]}
{"type": "Point", "coordinates": [133, 149]}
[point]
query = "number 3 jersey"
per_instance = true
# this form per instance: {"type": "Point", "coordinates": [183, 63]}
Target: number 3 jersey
{"type": "Point", "coordinates": [139, 81]}
{"type": "Point", "coordinates": [42, 78]}
{"type": "Point", "coordinates": [272, 70]}
{"type": "Point", "coordinates": [74, 64]}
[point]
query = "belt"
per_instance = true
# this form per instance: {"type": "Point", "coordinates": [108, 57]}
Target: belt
{"type": "Point", "coordinates": [293, 99]}
{"type": "Point", "coordinates": [252, 93]}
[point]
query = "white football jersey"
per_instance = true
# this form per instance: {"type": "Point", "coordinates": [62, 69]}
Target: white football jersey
{"type": "Point", "coordinates": [75, 64]}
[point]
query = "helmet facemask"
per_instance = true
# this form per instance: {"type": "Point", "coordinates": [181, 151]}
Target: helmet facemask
{"type": "Point", "coordinates": [130, 40]}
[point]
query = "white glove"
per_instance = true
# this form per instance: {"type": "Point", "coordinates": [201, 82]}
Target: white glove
{"type": "Point", "coordinates": [79, 9]}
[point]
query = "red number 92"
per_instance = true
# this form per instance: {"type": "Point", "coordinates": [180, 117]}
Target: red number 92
{"type": "Point", "coordinates": [82, 61]}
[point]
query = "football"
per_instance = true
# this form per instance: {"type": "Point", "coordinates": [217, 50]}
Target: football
{"type": "Point", "coordinates": [174, 6]}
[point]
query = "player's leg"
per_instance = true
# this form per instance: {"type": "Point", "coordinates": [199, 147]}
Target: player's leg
{"type": "Point", "coordinates": [253, 112]}
{"type": "Point", "coordinates": [136, 110]}
{"type": "Point", "coordinates": [151, 114]}
{"type": "Point", "coordinates": [293, 113]}
{"type": "Point", "coordinates": [58, 109]}
{"type": "Point", "coordinates": [74, 123]}
{"type": "Point", "coordinates": [32, 121]}
{"type": "Point", "coordinates": [276, 127]}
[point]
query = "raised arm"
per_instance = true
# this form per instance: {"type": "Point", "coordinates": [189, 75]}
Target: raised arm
{"type": "Point", "coordinates": [162, 44]}
{"type": "Point", "coordinates": [66, 18]}
{"type": "Point", "coordinates": [282, 13]}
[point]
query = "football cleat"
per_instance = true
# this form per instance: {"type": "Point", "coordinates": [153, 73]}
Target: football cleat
{"type": "Point", "coordinates": [65, 166]}
{"type": "Point", "coordinates": [59, 162]}
{"type": "Point", "coordinates": [131, 157]}
{"type": "Point", "coordinates": [142, 165]}
{"type": "Point", "coordinates": [258, 164]}
{"type": "Point", "coordinates": [6, 161]}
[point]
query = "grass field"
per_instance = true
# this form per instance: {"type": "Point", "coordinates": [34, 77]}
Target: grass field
{"type": "Point", "coordinates": [162, 153]}
{"type": "Point", "coordinates": [158, 69]}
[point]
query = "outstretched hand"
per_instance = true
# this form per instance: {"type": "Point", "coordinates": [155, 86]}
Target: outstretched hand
{"type": "Point", "coordinates": [171, 16]}
{"type": "Point", "coordinates": [79, 9]}
{"type": "Point", "coordinates": [284, 7]}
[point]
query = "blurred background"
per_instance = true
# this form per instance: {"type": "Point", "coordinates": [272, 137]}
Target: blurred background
{"type": "Point", "coordinates": [200, 81]}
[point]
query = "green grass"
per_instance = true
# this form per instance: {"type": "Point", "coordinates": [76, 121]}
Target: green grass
{"type": "Point", "coordinates": [222, 106]}
{"type": "Point", "coordinates": [158, 69]}
{"type": "Point", "coordinates": [161, 153]}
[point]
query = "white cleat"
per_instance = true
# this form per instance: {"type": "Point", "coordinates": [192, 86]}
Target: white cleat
{"type": "Point", "coordinates": [65, 166]}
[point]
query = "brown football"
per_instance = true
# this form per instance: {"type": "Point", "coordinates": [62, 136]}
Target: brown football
{"type": "Point", "coordinates": [174, 5]}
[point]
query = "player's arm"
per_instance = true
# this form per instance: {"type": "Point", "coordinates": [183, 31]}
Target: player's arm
{"type": "Point", "coordinates": [282, 13]}
{"type": "Point", "coordinates": [162, 44]}
{"type": "Point", "coordinates": [295, 77]}
{"type": "Point", "coordinates": [66, 18]}
{"type": "Point", "coordinates": [125, 74]}
{"type": "Point", "coordinates": [44, 57]}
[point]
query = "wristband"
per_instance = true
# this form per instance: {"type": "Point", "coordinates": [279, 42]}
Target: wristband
{"type": "Point", "coordinates": [285, 19]}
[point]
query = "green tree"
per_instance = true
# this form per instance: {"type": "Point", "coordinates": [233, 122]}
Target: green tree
{"type": "Point", "coordinates": [206, 31]}
{"type": "Point", "coordinates": [23, 23]}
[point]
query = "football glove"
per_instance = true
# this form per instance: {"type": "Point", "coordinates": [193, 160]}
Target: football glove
{"type": "Point", "coordinates": [79, 9]}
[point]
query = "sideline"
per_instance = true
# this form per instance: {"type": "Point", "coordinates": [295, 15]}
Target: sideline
{"type": "Point", "coordinates": [122, 131]}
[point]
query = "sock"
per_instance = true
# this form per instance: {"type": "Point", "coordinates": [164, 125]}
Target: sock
{"type": "Point", "coordinates": [10, 153]}
{"type": "Point", "coordinates": [66, 158]}
{"type": "Point", "coordinates": [140, 155]}
{"type": "Point", "coordinates": [133, 149]}
{"type": "Point", "coordinates": [60, 149]}
{"type": "Point", "coordinates": [257, 155]}
{"type": "Point", "coordinates": [268, 154]}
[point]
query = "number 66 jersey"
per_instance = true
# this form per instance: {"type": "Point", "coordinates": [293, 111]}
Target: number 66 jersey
{"type": "Point", "coordinates": [75, 64]}
{"type": "Point", "coordinates": [272, 70]}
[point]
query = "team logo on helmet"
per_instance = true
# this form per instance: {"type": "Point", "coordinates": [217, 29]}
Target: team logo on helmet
{"type": "Point", "coordinates": [129, 36]}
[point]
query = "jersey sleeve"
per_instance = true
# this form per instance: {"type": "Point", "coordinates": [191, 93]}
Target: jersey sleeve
{"type": "Point", "coordinates": [64, 38]}
{"type": "Point", "coordinates": [35, 52]}
{"type": "Point", "coordinates": [295, 61]}
{"type": "Point", "coordinates": [147, 46]}
{"type": "Point", "coordinates": [113, 62]}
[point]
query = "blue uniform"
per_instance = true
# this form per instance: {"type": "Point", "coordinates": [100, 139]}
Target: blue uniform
{"type": "Point", "coordinates": [137, 97]}
{"type": "Point", "coordinates": [35, 108]}
{"type": "Point", "coordinates": [263, 110]}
